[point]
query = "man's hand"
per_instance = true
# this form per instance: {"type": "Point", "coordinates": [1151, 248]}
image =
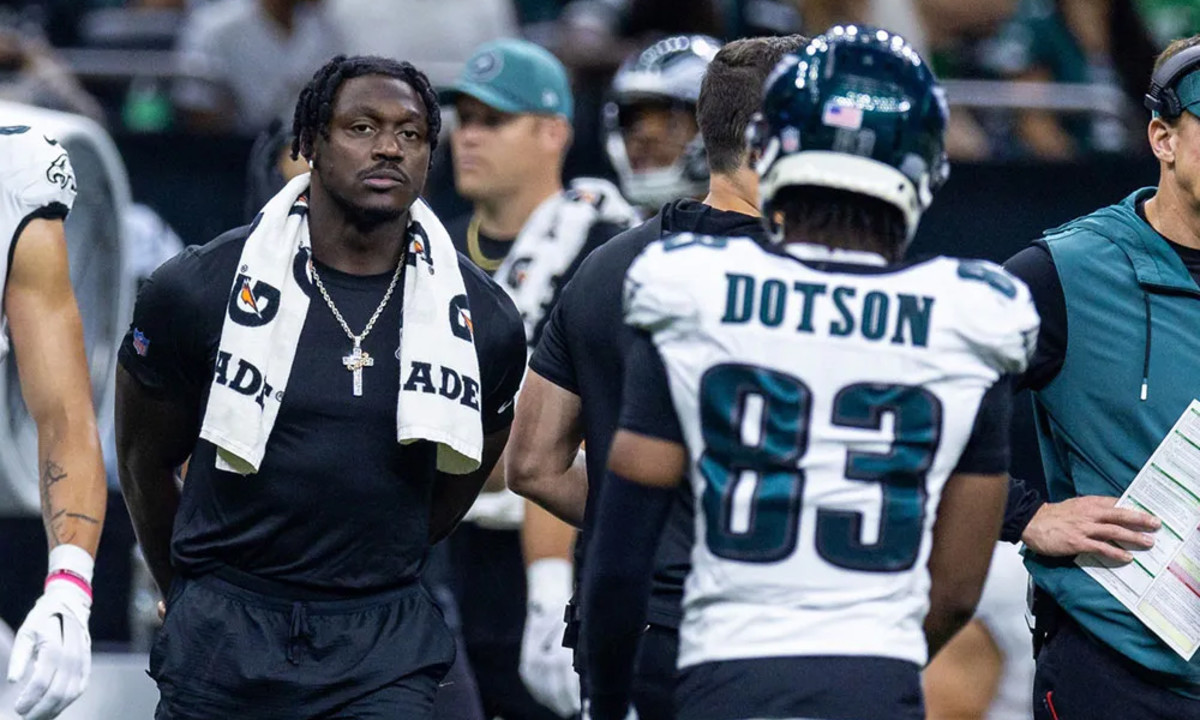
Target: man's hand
{"type": "Point", "coordinates": [547, 668]}
{"type": "Point", "coordinates": [1088, 524]}
{"type": "Point", "coordinates": [55, 639]}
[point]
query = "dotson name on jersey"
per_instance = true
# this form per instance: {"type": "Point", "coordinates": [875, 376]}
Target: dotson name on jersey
{"type": "Point", "coordinates": [824, 406]}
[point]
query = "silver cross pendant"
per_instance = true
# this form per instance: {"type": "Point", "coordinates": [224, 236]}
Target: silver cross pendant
{"type": "Point", "coordinates": [355, 362]}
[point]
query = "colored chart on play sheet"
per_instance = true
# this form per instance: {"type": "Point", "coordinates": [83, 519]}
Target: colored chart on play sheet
{"type": "Point", "coordinates": [1162, 585]}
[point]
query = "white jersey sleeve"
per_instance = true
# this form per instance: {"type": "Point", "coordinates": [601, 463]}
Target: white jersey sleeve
{"type": "Point", "coordinates": [658, 298]}
{"type": "Point", "coordinates": [996, 316]}
{"type": "Point", "coordinates": [37, 179]}
{"type": "Point", "coordinates": [37, 182]}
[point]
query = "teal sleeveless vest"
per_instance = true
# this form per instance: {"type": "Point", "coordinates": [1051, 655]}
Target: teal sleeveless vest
{"type": "Point", "coordinates": [1133, 327]}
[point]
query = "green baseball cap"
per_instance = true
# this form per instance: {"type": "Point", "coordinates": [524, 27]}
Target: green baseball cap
{"type": "Point", "coordinates": [515, 76]}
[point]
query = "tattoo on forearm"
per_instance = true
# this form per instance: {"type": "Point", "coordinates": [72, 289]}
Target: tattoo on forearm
{"type": "Point", "coordinates": [77, 516]}
{"type": "Point", "coordinates": [56, 526]}
{"type": "Point", "coordinates": [56, 522]}
{"type": "Point", "coordinates": [52, 473]}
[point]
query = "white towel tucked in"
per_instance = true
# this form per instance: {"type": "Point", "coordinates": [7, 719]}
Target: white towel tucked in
{"type": "Point", "coordinates": [552, 238]}
{"type": "Point", "coordinates": [439, 396]}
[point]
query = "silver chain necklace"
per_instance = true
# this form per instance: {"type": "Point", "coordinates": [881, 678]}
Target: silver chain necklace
{"type": "Point", "coordinates": [358, 358]}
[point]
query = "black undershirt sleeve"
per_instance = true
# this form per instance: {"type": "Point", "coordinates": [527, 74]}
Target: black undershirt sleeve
{"type": "Point", "coordinates": [646, 406]}
{"type": "Point", "coordinates": [1022, 503]}
{"type": "Point", "coordinates": [1035, 267]}
{"type": "Point", "coordinates": [616, 587]}
{"type": "Point", "coordinates": [987, 450]}
{"type": "Point", "coordinates": [629, 518]}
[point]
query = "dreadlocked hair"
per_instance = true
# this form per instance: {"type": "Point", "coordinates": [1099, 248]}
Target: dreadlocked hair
{"type": "Point", "coordinates": [840, 218]}
{"type": "Point", "coordinates": [314, 109]}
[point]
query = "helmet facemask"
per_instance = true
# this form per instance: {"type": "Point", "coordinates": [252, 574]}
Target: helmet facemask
{"type": "Point", "coordinates": [647, 181]}
{"type": "Point", "coordinates": [664, 77]}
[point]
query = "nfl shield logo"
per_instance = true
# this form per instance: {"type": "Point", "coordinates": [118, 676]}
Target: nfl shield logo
{"type": "Point", "coordinates": [141, 343]}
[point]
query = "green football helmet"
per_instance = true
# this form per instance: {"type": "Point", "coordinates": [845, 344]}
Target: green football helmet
{"type": "Point", "coordinates": [856, 110]}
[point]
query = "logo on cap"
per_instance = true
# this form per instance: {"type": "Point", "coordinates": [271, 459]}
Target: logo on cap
{"type": "Point", "coordinates": [485, 66]}
{"type": "Point", "coordinates": [549, 98]}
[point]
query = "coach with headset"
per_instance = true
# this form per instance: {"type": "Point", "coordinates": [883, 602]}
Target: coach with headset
{"type": "Point", "coordinates": [1123, 286]}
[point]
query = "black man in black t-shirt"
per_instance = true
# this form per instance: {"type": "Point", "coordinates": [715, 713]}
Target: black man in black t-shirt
{"type": "Point", "coordinates": [293, 592]}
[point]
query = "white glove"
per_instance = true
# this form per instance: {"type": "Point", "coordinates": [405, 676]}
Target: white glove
{"type": "Point", "coordinates": [547, 668]}
{"type": "Point", "coordinates": [54, 639]}
{"type": "Point", "coordinates": [500, 510]}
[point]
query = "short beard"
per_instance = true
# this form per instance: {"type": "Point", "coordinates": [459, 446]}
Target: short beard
{"type": "Point", "coordinates": [365, 218]}
{"type": "Point", "coordinates": [362, 218]}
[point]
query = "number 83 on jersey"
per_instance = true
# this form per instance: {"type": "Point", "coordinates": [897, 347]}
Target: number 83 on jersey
{"type": "Point", "coordinates": [756, 424]}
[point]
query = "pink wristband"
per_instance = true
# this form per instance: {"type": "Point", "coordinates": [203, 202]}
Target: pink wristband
{"type": "Point", "coordinates": [72, 578]}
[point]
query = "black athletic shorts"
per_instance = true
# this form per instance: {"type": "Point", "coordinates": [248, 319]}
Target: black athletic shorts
{"type": "Point", "coordinates": [233, 646]}
{"type": "Point", "coordinates": [811, 688]}
{"type": "Point", "coordinates": [654, 673]}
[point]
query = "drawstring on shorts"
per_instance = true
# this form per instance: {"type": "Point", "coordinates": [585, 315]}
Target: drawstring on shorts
{"type": "Point", "coordinates": [299, 631]}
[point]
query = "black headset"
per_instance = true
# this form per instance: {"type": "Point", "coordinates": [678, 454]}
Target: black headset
{"type": "Point", "coordinates": [1162, 98]}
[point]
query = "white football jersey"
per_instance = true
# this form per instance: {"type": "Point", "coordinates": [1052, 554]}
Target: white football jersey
{"type": "Point", "coordinates": [36, 180]}
{"type": "Point", "coordinates": [823, 412]}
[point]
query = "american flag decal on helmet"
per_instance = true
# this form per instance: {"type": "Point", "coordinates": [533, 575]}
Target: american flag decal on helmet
{"type": "Point", "coordinates": [842, 116]}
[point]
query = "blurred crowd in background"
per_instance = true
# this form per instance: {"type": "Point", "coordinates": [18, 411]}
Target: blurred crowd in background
{"type": "Point", "coordinates": [197, 92]}
{"type": "Point", "coordinates": [232, 66]}
{"type": "Point", "coordinates": [1042, 81]}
